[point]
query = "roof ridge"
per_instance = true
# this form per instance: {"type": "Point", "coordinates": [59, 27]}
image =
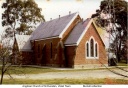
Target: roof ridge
{"type": "Point", "coordinates": [60, 17]}
{"type": "Point", "coordinates": [55, 28]}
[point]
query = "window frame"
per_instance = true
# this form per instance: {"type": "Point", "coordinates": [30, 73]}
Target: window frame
{"type": "Point", "coordinates": [94, 48]}
{"type": "Point", "coordinates": [91, 47]}
{"type": "Point", "coordinates": [38, 50]}
{"type": "Point", "coordinates": [87, 50]}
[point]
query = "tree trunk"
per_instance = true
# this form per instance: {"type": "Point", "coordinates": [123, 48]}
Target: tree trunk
{"type": "Point", "coordinates": [119, 48]}
{"type": "Point", "coordinates": [2, 74]}
{"type": "Point", "coordinates": [2, 71]}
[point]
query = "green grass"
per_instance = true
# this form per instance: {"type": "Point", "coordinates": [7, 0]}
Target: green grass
{"type": "Point", "coordinates": [29, 70]}
{"type": "Point", "coordinates": [122, 64]}
{"type": "Point", "coordinates": [66, 81]}
{"type": "Point", "coordinates": [35, 70]}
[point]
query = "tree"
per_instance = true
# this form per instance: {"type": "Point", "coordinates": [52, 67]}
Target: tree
{"type": "Point", "coordinates": [6, 57]}
{"type": "Point", "coordinates": [20, 16]}
{"type": "Point", "coordinates": [5, 53]}
{"type": "Point", "coordinates": [112, 16]}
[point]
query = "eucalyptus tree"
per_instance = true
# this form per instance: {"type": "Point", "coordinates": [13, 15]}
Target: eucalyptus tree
{"type": "Point", "coordinates": [20, 16]}
{"type": "Point", "coordinates": [112, 16]}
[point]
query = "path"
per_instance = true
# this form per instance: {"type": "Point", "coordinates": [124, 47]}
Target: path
{"type": "Point", "coordinates": [73, 75]}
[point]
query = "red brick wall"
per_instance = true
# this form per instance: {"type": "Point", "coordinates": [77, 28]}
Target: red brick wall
{"type": "Point", "coordinates": [80, 52]}
{"type": "Point", "coordinates": [27, 58]}
{"type": "Point", "coordinates": [73, 55]}
{"type": "Point", "coordinates": [70, 52]}
{"type": "Point", "coordinates": [56, 59]}
{"type": "Point", "coordinates": [60, 59]}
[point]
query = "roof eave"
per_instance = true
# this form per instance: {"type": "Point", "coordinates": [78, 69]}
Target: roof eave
{"type": "Point", "coordinates": [45, 38]}
{"type": "Point", "coordinates": [26, 50]}
{"type": "Point", "coordinates": [61, 34]}
{"type": "Point", "coordinates": [91, 21]}
{"type": "Point", "coordinates": [71, 44]}
{"type": "Point", "coordinates": [85, 30]}
{"type": "Point", "coordinates": [99, 34]}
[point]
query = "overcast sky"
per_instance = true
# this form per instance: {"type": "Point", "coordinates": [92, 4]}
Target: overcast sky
{"type": "Point", "coordinates": [54, 8]}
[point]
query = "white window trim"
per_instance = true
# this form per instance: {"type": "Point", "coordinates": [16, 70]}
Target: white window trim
{"type": "Point", "coordinates": [97, 51]}
{"type": "Point", "coordinates": [86, 49]}
{"type": "Point", "coordinates": [95, 42]}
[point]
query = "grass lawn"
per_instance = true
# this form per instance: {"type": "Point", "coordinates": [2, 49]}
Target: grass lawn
{"type": "Point", "coordinates": [122, 64]}
{"type": "Point", "coordinates": [35, 70]}
{"type": "Point", "coordinates": [66, 81]}
{"type": "Point", "coordinates": [29, 70]}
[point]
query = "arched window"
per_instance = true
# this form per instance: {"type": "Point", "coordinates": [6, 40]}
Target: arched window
{"type": "Point", "coordinates": [38, 50]}
{"type": "Point", "coordinates": [92, 48]}
{"type": "Point", "coordinates": [87, 49]}
{"type": "Point", "coordinates": [51, 49]}
{"type": "Point", "coordinates": [96, 50]}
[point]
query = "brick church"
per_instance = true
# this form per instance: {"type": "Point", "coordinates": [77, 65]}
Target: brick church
{"type": "Point", "coordinates": [66, 41]}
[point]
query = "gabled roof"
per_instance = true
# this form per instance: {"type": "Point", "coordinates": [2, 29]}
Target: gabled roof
{"type": "Point", "coordinates": [77, 32]}
{"type": "Point", "coordinates": [23, 42]}
{"type": "Point", "coordinates": [103, 34]}
{"type": "Point", "coordinates": [53, 28]}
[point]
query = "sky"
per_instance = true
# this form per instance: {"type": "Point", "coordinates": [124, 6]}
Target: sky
{"type": "Point", "coordinates": [54, 8]}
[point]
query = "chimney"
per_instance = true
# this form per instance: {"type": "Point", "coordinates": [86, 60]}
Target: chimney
{"type": "Point", "coordinates": [69, 12]}
{"type": "Point", "coordinates": [59, 16]}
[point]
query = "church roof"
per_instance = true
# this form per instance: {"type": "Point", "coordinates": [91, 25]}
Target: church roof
{"type": "Point", "coordinates": [23, 42]}
{"type": "Point", "coordinates": [53, 28]}
{"type": "Point", "coordinates": [77, 32]}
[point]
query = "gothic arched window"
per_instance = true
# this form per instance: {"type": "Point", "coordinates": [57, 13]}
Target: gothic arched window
{"type": "Point", "coordinates": [92, 48]}
{"type": "Point", "coordinates": [87, 50]}
{"type": "Point", "coordinates": [96, 52]}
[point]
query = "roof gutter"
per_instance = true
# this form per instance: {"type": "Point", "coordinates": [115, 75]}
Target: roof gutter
{"type": "Point", "coordinates": [71, 44]}
{"type": "Point", "coordinates": [46, 38]}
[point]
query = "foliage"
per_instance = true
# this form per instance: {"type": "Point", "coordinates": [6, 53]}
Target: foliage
{"type": "Point", "coordinates": [5, 53]}
{"type": "Point", "coordinates": [7, 57]}
{"type": "Point", "coordinates": [20, 16]}
{"type": "Point", "coordinates": [112, 16]}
